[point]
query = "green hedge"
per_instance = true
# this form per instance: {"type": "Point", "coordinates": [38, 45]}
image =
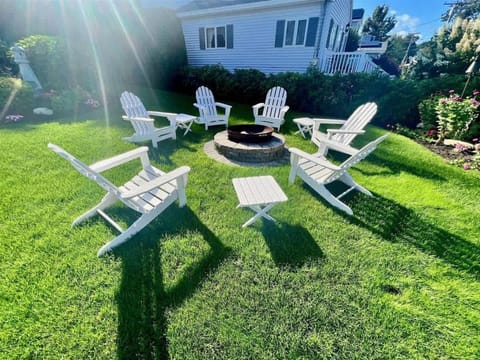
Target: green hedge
{"type": "Point", "coordinates": [16, 97]}
{"type": "Point", "coordinates": [315, 93]}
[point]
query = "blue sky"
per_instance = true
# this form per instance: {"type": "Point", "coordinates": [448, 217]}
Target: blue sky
{"type": "Point", "coordinates": [422, 16]}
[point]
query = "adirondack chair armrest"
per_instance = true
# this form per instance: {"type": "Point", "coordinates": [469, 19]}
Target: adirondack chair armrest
{"type": "Point", "coordinates": [170, 116]}
{"type": "Point", "coordinates": [256, 108]}
{"type": "Point", "coordinates": [202, 109]}
{"type": "Point", "coordinates": [117, 160]}
{"type": "Point", "coordinates": [166, 178]}
{"type": "Point", "coordinates": [320, 121]}
{"type": "Point", "coordinates": [128, 118]}
{"type": "Point", "coordinates": [222, 105]}
{"type": "Point", "coordinates": [284, 110]}
{"type": "Point", "coordinates": [317, 160]}
{"type": "Point", "coordinates": [341, 131]}
{"type": "Point", "coordinates": [337, 146]}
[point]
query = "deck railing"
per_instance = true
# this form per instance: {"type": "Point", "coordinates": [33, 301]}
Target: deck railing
{"type": "Point", "coordinates": [346, 62]}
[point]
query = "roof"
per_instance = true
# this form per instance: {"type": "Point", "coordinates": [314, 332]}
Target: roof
{"type": "Point", "coordinates": [208, 4]}
{"type": "Point", "coordinates": [357, 14]}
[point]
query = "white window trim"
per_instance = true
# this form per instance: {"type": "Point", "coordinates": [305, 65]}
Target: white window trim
{"type": "Point", "coordinates": [214, 27]}
{"type": "Point", "coordinates": [295, 31]}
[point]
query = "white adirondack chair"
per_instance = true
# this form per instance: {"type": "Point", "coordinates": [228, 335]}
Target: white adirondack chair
{"type": "Point", "coordinates": [317, 171]}
{"type": "Point", "coordinates": [142, 122]}
{"type": "Point", "coordinates": [346, 133]}
{"type": "Point", "coordinates": [207, 107]}
{"type": "Point", "coordinates": [150, 192]}
{"type": "Point", "coordinates": [274, 108]}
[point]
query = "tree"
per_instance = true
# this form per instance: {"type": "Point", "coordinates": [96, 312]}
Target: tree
{"type": "Point", "coordinates": [466, 9]}
{"type": "Point", "coordinates": [379, 24]}
{"type": "Point", "coordinates": [353, 40]}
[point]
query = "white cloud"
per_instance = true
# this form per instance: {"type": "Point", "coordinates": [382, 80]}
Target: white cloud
{"type": "Point", "coordinates": [405, 23]}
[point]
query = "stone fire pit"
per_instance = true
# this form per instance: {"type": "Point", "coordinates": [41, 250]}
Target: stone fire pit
{"type": "Point", "coordinates": [263, 150]}
{"type": "Point", "coordinates": [250, 133]}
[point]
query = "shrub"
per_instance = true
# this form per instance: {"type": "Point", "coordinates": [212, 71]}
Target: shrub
{"type": "Point", "coordinates": [16, 97]}
{"type": "Point", "coordinates": [428, 112]}
{"type": "Point", "coordinates": [73, 101]}
{"type": "Point", "coordinates": [48, 58]}
{"type": "Point", "coordinates": [316, 93]}
{"type": "Point", "coordinates": [7, 66]}
{"type": "Point", "coordinates": [457, 115]}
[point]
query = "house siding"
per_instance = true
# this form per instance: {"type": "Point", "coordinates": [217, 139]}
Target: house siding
{"type": "Point", "coordinates": [341, 13]}
{"type": "Point", "coordinates": [254, 37]}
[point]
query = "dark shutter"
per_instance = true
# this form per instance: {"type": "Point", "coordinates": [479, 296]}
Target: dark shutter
{"type": "Point", "coordinates": [201, 35]}
{"type": "Point", "coordinates": [230, 36]}
{"type": "Point", "coordinates": [312, 31]}
{"type": "Point", "coordinates": [279, 33]}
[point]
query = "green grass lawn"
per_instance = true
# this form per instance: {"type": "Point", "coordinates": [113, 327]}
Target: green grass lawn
{"type": "Point", "coordinates": [399, 279]}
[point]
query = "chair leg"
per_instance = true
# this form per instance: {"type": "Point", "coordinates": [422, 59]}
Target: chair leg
{"type": "Point", "coordinates": [138, 225]}
{"type": "Point", "coordinates": [108, 200]}
{"type": "Point", "coordinates": [323, 192]}
{"type": "Point", "coordinates": [348, 180]}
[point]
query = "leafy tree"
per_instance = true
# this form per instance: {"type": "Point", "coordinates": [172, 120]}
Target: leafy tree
{"type": "Point", "coordinates": [353, 40]}
{"type": "Point", "coordinates": [466, 9]}
{"type": "Point", "coordinates": [379, 24]}
{"type": "Point", "coordinates": [402, 47]}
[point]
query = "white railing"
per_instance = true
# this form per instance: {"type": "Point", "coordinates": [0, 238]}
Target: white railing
{"type": "Point", "coordinates": [346, 62]}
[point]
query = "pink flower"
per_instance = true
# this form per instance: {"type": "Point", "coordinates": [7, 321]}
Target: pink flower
{"type": "Point", "coordinates": [474, 102]}
{"type": "Point", "coordinates": [466, 167]}
{"type": "Point", "coordinates": [451, 91]}
{"type": "Point", "coordinates": [475, 140]}
{"type": "Point", "coordinates": [443, 101]}
{"type": "Point", "coordinates": [476, 92]}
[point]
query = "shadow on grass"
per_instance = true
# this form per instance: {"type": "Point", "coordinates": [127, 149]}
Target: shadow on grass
{"type": "Point", "coordinates": [142, 298]}
{"type": "Point", "coordinates": [398, 224]}
{"type": "Point", "coordinates": [290, 245]}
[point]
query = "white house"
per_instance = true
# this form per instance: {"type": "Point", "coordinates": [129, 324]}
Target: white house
{"type": "Point", "coordinates": [271, 35]}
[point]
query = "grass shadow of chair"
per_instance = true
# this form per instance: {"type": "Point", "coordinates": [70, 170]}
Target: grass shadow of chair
{"type": "Point", "coordinates": [142, 298]}
{"type": "Point", "coordinates": [290, 245]}
{"type": "Point", "coordinates": [395, 223]}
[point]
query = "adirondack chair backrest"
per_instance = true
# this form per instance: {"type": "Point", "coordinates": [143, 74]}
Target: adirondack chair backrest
{"type": "Point", "coordinates": [134, 108]}
{"type": "Point", "coordinates": [205, 98]}
{"type": "Point", "coordinates": [357, 121]}
{"type": "Point", "coordinates": [86, 171]}
{"type": "Point", "coordinates": [355, 158]}
{"type": "Point", "coordinates": [274, 102]}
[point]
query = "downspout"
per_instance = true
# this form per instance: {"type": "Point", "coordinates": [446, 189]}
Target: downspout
{"type": "Point", "coordinates": [319, 33]}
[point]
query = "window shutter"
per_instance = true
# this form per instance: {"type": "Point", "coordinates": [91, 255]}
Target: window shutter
{"type": "Point", "coordinates": [312, 31]}
{"type": "Point", "coordinates": [201, 34]}
{"type": "Point", "coordinates": [279, 33]}
{"type": "Point", "coordinates": [230, 36]}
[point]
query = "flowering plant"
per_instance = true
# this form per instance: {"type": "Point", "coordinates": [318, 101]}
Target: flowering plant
{"type": "Point", "coordinates": [92, 103]}
{"type": "Point", "coordinates": [13, 118]}
{"type": "Point", "coordinates": [456, 115]}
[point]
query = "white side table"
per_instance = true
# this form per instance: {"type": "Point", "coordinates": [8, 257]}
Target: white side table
{"type": "Point", "coordinates": [259, 193]}
{"type": "Point", "coordinates": [305, 125]}
{"type": "Point", "coordinates": [184, 121]}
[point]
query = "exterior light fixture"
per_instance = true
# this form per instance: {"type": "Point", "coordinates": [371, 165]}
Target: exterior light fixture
{"type": "Point", "coordinates": [471, 71]}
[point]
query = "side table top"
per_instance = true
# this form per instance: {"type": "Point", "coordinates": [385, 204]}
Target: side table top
{"type": "Point", "coordinates": [258, 190]}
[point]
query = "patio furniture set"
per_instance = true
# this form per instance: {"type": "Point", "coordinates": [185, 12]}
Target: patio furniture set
{"type": "Point", "coordinates": [151, 191]}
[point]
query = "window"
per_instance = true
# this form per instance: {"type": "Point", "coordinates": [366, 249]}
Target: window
{"type": "Point", "coordinates": [301, 32]}
{"type": "Point", "coordinates": [329, 36]}
{"type": "Point", "coordinates": [219, 37]}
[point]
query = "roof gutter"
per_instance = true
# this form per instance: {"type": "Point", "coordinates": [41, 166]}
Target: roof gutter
{"type": "Point", "coordinates": [241, 7]}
